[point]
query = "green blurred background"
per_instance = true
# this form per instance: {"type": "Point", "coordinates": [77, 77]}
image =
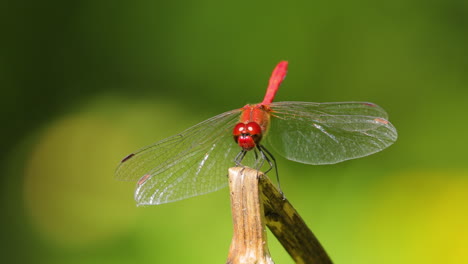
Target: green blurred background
{"type": "Point", "coordinates": [83, 83]}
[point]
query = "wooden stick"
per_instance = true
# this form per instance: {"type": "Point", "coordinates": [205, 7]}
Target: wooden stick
{"type": "Point", "coordinates": [254, 201]}
{"type": "Point", "coordinates": [249, 243]}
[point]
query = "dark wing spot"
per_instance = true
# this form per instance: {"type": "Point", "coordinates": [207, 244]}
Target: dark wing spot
{"type": "Point", "coordinates": [127, 158]}
{"type": "Point", "coordinates": [370, 104]}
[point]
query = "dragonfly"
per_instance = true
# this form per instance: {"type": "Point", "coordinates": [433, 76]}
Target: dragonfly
{"type": "Point", "coordinates": [196, 161]}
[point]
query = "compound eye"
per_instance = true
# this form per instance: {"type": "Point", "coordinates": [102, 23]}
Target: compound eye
{"type": "Point", "coordinates": [239, 129]}
{"type": "Point", "coordinates": [253, 128]}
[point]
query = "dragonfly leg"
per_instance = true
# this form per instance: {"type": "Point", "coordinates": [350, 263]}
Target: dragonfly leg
{"type": "Point", "coordinates": [239, 157]}
{"type": "Point", "coordinates": [258, 161]}
{"type": "Point", "coordinates": [266, 155]}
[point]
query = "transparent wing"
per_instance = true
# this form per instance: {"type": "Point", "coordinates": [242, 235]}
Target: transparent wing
{"type": "Point", "coordinates": [191, 163]}
{"type": "Point", "coordinates": [326, 133]}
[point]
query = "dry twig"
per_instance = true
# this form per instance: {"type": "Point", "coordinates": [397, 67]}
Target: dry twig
{"type": "Point", "coordinates": [254, 201]}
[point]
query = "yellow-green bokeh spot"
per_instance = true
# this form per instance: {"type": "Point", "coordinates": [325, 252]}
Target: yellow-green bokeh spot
{"type": "Point", "coordinates": [69, 189]}
{"type": "Point", "coordinates": [417, 217]}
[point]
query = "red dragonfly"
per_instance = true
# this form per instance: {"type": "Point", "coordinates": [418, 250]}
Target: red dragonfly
{"type": "Point", "coordinates": [195, 161]}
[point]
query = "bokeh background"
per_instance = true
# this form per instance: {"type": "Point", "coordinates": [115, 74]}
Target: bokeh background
{"type": "Point", "coordinates": [83, 83]}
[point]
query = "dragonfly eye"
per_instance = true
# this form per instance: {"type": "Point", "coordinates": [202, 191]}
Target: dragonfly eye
{"type": "Point", "coordinates": [239, 129]}
{"type": "Point", "coordinates": [255, 132]}
{"type": "Point", "coordinates": [251, 128]}
{"type": "Point", "coordinates": [254, 129]}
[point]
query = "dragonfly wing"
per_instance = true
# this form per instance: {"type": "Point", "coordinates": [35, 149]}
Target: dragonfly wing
{"type": "Point", "coordinates": [191, 163]}
{"type": "Point", "coordinates": [327, 133]}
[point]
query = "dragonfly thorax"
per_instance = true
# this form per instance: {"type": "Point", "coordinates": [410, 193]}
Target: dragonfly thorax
{"type": "Point", "coordinates": [247, 136]}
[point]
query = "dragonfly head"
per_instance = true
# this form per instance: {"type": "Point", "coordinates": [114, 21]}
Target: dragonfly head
{"type": "Point", "coordinates": [247, 136]}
